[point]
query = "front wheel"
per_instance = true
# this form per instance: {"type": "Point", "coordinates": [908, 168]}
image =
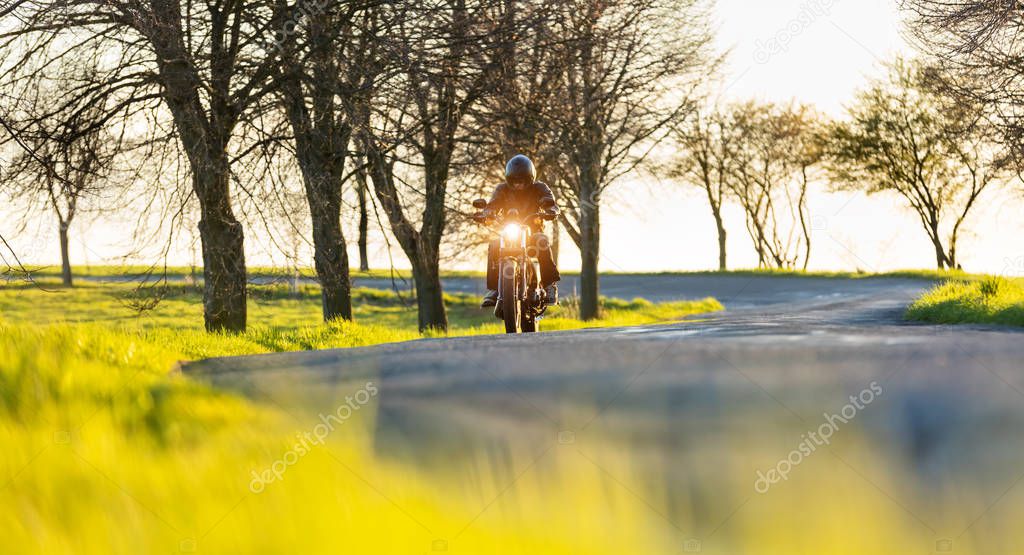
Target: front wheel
{"type": "Point", "coordinates": [511, 307]}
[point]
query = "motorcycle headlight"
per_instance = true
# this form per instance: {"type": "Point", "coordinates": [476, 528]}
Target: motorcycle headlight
{"type": "Point", "coordinates": [511, 232]}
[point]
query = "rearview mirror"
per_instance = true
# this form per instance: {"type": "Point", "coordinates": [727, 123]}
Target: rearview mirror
{"type": "Point", "coordinates": [479, 204]}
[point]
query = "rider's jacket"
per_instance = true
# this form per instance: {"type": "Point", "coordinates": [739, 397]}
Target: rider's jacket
{"type": "Point", "coordinates": [527, 200]}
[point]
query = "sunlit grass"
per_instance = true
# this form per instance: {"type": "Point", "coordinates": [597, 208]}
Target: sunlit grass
{"type": "Point", "coordinates": [285, 320]}
{"type": "Point", "coordinates": [991, 300]}
{"type": "Point", "coordinates": [104, 449]}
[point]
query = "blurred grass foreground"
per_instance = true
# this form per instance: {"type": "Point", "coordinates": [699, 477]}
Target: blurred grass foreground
{"type": "Point", "coordinates": [105, 449]}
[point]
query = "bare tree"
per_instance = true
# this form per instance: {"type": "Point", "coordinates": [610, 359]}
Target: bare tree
{"type": "Point", "coordinates": [206, 62]}
{"type": "Point", "coordinates": [446, 54]}
{"type": "Point", "coordinates": [975, 46]}
{"type": "Point", "coordinates": [65, 160]}
{"type": "Point", "coordinates": [327, 72]}
{"type": "Point", "coordinates": [934, 151]}
{"type": "Point", "coordinates": [706, 159]}
{"type": "Point", "coordinates": [362, 190]}
{"type": "Point", "coordinates": [629, 67]}
{"type": "Point", "coordinates": [774, 149]}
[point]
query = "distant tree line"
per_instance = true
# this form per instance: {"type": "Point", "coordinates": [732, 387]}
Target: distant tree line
{"type": "Point", "coordinates": [905, 134]}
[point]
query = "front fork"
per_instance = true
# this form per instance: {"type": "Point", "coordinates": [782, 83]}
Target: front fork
{"type": "Point", "coordinates": [524, 287]}
{"type": "Point", "coordinates": [517, 264]}
{"type": "Point", "coordinates": [518, 260]}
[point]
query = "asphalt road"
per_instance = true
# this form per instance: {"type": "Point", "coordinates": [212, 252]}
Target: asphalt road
{"type": "Point", "coordinates": [733, 390]}
{"type": "Point", "coordinates": [738, 291]}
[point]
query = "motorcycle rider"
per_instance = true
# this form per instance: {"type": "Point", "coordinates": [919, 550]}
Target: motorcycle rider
{"type": "Point", "coordinates": [524, 193]}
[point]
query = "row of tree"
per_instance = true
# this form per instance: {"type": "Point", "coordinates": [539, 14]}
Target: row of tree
{"type": "Point", "coordinates": [412, 107]}
{"type": "Point", "coordinates": [904, 134]}
{"type": "Point", "coordinates": [412, 97]}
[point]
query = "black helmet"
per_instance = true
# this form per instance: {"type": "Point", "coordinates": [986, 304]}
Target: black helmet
{"type": "Point", "coordinates": [520, 172]}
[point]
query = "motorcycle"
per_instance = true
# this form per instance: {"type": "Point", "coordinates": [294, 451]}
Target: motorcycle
{"type": "Point", "coordinates": [521, 300]}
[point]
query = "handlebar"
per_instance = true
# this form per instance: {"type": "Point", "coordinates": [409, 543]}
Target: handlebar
{"type": "Point", "coordinates": [485, 216]}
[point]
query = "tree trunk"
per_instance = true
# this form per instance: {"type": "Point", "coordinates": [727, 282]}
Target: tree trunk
{"type": "Point", "coordinates": [759, 247]}
{"type": "Point", "coordinates": [951, 257]}
{"type": "Point", "coordinates": [802, 208]}
{"type": "Point", "coordinates": [331, 261]}
{"type": "Point", "coordinates": [330, 257]}
{"type": "Point", "coordinates": [429, 294]}
{"type": "Point", "coordinates": [205, 141]}
{"type": "Point", "coordinates": [364, 220]}
{"type": "Point", "coordinates": [224, 288]}
{"type": "Point", "coordinates": [940, 252]}
{"type": "Point", "coordinates": [590, 235]}
{"type": "Point", "coordinates": [321, 150]}
{"type": "Point", "coordinates": [65, 260]}
{"type": "Point", "coordinates": [420, 247]}
{"type": "Point", "coordinates": [720, 225]}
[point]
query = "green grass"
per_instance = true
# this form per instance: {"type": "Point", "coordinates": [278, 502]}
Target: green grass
{"type": "Point", "coordinates": [988, 300]}
{"type": "Point", "coordinates": [281, 320]}
{"type": "Point", "coordinates": [104, 449]}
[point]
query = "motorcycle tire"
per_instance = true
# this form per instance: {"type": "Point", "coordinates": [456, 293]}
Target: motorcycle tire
{"type": "Point", "coordinates": [511, 307]}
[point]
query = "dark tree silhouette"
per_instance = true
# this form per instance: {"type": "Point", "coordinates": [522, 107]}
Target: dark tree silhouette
{"type": "Point", "coordinates": [206, 62]}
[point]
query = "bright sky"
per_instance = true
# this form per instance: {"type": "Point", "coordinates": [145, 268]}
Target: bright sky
{"type": "Point", "coordinates": [814, 51]}
{"type": "Point", "coordinates": [818, 52]}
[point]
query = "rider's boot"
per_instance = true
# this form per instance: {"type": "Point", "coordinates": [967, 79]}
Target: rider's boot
{"type": "Point", "coordinates": [551, 294]}
{"type": "Point", "coordinates": [490, 299]}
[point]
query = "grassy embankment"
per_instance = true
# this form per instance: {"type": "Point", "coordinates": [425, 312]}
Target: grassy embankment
{"type": "Point", "coordinates": [985, 300]}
